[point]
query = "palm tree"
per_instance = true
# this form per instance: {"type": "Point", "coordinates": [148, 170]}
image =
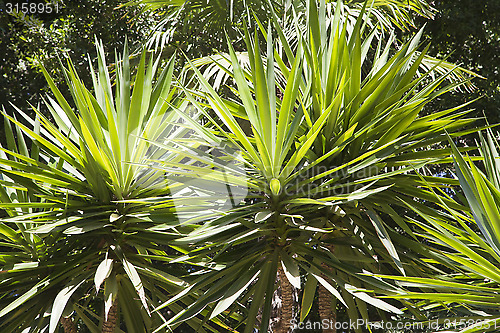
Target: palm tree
{"type": "Point", "coordinates": [330, 157]}
{"type": "Point", "coordinates": [77, 238]}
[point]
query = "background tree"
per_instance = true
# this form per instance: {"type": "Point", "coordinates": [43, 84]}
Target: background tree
{"type": "Point", "coordinates": [71, 27]}
{"type": "Point", "coordinates": [468, 33]}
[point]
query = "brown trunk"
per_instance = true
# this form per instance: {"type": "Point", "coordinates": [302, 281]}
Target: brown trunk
{"type": "Point", "coordinates": [68, 324]}
{"type": "Point", "coordinates": [110, 324]}
{"type": "Point", "coordinates": [286, 303]}
{"type": "Point", "coordinates": [326, 312]}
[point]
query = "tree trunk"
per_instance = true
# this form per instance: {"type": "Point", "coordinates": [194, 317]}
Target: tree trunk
{"type": "Point", "coordinates": [68, 325]}
{"type": "Point", "coordinates": [286, 303]}
{"type": "Point", "coordinates": [110, 324]}
{"type": "Point", "coordinates": [325, 303]}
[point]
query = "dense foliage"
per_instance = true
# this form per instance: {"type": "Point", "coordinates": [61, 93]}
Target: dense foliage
{"type": "Point", "coordinates": [69, 29]}
{"type": "Point", "coordinates": [469, 35]}
{"type": "Point", "coordinates": [288, 174]}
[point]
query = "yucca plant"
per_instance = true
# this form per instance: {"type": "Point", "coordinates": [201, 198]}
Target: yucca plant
{"type": "Point", "coordinates": [330, 153]}
{"type": "Point", "coordinates": [470, 240]}
{"type": "Point", "coordinates": [76, 245]}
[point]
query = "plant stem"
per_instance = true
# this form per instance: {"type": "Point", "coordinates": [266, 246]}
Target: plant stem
{"type": "Point", "coordinates": [68, 325]}
{"type": "Point", "coordinates": [326, 312]}
{"type": "Point", "coordinates": [110, 324]}
{"type": "Point", "coordinates": [286, 302]}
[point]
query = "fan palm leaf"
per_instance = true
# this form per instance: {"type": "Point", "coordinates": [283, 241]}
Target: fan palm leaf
{"type": "Point", "coordinates": [215, 16]}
